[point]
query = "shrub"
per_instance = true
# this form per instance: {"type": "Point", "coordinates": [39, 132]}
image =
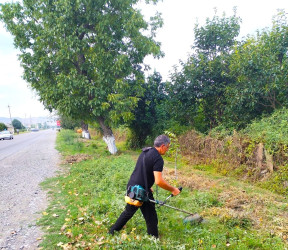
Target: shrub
{"type": "Point", "coordinates": [272, 131]}
{"type": "Point", "coordinates": [2, 126]}
{"type": "Point", "coordinates": [258, 154]}
{"type": "Point", "coordinates": [278, 182]}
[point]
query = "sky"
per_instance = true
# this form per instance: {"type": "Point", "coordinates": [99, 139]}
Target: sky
{"type": "Point", "coordinates": [176, 37]}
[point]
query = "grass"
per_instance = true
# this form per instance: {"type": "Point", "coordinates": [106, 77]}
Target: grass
{"type": "Point", "coordinates": [88, 196]}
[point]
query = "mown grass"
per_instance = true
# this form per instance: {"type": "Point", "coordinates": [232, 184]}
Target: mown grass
{"type": "Point", "coordinates": [88, 197]}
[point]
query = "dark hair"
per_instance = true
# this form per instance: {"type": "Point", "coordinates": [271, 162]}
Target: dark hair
{"type": "Point", "coordinates": [160, 140]}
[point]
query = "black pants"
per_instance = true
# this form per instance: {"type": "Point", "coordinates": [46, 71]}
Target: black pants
{"type": "Point", "coordinates": [149, 213]}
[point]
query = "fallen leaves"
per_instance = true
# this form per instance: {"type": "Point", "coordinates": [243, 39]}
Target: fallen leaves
{"type": "Point", "coordinates": [69, 233]}
{"type": "Point", "coordinates": [63, 227]}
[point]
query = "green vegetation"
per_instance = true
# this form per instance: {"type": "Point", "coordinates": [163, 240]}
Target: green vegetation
{"type": "Point", "coordinates": [278, 182]}
{"type": "Point", "coordinates": [271, 130]}
{"type": "Point", "coordinates": [2, 126]}
{"type": "Point", "coordinates": [87, 196]}
{"type": "Point", "coordinates": [226, 83]}
{"type": "Point", "coordinates": [69, 143]}
{"type": "Point", "coordinates": [84, 58]}
{"type": "Point", "coordinates": [17, 124]}
{"type": "Point", "coordinates": [226, 107]}
{"type": "Point", "coordinates": [69, 123]}
{"type": "Point", "coordinates": [229, 83]}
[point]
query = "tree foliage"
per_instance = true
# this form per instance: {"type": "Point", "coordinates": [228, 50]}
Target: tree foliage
{"type": "Point", "coordinates": [259, 66]}
{"type": "Point", "coordinates": [228, 82]}
{"type": "Point", "coordinates": [2, 126]}
{"type": "Point", "coordinates": [145, 114]}
{"type": "Point", "coordinates": [198, 89]}
{"type": "Point", "coordinates": [69, 123]}
{"type": "Point", "coordinates": [84, 58]}
{"type": "Point", "coordinates": [17, 124]}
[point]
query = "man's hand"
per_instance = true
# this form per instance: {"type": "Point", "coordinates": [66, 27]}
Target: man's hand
{"type": "Point", "coordinates": [176, 191]}
{"type": "Point", "coordinates": [163, 184]}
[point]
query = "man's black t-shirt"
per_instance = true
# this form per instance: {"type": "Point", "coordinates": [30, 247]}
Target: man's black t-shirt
{"type": "Point", "coordinates": [153, 162]}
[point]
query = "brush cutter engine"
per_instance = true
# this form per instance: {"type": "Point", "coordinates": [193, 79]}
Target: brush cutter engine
{"type": "Point", "coordinates": [137, 192]}
{"type": "Point", "coordinates": [136, 195]}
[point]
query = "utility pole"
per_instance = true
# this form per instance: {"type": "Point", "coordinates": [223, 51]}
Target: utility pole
{"type": "Point", "coordinates": [10, 117]}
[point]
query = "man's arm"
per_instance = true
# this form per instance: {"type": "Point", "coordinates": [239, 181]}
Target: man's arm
{"type": "Point", "coordinates": [163, 184]}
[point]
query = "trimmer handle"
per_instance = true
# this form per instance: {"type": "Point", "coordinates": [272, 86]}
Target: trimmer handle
{"type": "Point", "coordinates": [180, 189]}
{"type": "Point", "coordinates": [171, 195]}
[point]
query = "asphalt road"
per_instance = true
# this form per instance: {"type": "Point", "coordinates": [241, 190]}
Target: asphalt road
{"type": "Point", "coordinates": [25, 162]}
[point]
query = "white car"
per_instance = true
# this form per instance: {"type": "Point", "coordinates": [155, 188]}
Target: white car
{"type": "Point", "coordinates": [5, 135]}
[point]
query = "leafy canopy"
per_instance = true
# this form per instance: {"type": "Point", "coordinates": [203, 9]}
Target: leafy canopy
{"type": "Point", "coordinates": [2, 126]}
{"type": "Point", "coordinates": [259, 66]}
{"type": "Point", "coordinates": [146, 116]}
{"type": "Point", "coordinates": [197, 92]}
{"type": "Point", "coordinates": [83, 57]}
{"type": "Point", "coordinates": [17, 124]}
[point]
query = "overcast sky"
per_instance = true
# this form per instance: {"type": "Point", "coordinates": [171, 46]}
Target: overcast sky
{"type": "Point", "coordinates": [176, 37]}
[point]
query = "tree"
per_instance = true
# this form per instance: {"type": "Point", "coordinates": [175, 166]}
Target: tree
{"type": "Point", "coordinates": [84, 58]}
{"type": "Point", "coordinates": [145, 114]}
{"type": "Point", "coordinates": [260, 67]}
{"type": "Point", "coordinates": [17, 124]}
{"type": "Point", "coordinates": [2, 126]}
{"type": "Point", "coordinates": [69, 123]}
{"type": "Point", "coordinates": [198, 89]}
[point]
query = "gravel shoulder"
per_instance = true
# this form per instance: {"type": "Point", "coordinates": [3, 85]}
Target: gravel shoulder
{"type": "Point", "coordinates": [21, 198]}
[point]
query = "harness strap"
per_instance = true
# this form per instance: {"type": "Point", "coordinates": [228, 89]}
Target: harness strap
{"type": "Point", "coordinates": [144, 171]}
{"type": "Point", "coordinates": [145, 175]}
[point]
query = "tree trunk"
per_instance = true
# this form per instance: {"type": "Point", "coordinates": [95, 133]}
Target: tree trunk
{"type": "Point", "coordinates": [108, 136]}
{"type": "Point", "coordinates": [85, 132]}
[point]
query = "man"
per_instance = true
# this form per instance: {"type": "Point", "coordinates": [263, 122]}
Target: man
{"type": "Point", "coordinates": [153, 166]}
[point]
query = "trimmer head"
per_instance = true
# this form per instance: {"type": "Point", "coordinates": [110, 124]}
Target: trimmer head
{"type": "Point", "coordinates": [193, 219]}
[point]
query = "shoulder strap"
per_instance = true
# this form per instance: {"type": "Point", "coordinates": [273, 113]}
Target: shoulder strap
{"type": "Point", "coordinates": [145, 150]}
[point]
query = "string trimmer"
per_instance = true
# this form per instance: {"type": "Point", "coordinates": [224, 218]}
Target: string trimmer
{"type": "Point", "coordinates": [192, 218]}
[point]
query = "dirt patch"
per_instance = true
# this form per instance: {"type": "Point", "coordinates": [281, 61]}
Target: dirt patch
{"type": "Point", "coordinates": [76, 158]}
{"type": "Point", "coordinates": [190, 180]}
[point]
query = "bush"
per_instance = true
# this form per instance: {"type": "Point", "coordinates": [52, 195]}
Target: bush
{"type": "Point", "coordinates": [258, 154]}
{"type": "Point", "coordinates": [69, 123]}
{"type": "Point", "coordinates": [17, 124]}
{"type": "Point", "coordinates": [278, 182]}
{"type": "Point", "coordinates": [272, 130]}
{"type": "Point", "coordinates": [220, 132]}
{"type": "Point", "coordinates": [2, 126]}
